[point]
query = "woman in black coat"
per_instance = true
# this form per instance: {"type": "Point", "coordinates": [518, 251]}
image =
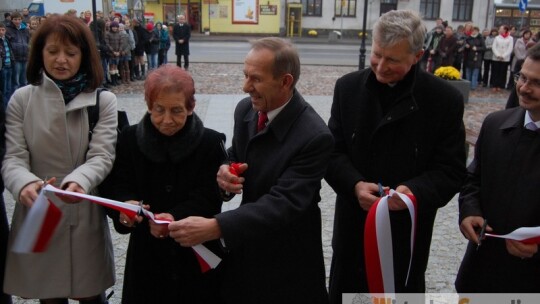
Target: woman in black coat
{"type": "Point", "coordinates": [168, 161]}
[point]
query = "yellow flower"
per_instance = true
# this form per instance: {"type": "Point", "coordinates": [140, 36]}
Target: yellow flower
{"type": "Point", "coordinates": [448, 73]}
{"type": "Point", "coordinates": [312, 33]}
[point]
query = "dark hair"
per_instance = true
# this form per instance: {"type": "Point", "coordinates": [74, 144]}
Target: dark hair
{"type": "Point", "coordinates": [16, 15]}
{"type": "Point", "coordinates": [286, 60]}
{"type": "Point", "coordinates": [68, 29]}
{"type": "Point", "coordinates": [8, 14]}
{"type": "Point", "coordinates": [534, 52]}
{"type": "Point", "coordinates": [169, 79]}
{"type": "Point", "coordinates": [525, 32]}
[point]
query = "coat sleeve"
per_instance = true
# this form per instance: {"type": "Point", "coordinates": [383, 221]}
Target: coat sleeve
{"type": "Point", "coordinates": [341, 175]}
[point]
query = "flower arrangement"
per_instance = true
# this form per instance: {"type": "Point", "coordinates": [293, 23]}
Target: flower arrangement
{"type": "Point", "coordinates": [448, 73]}
{"type": "Point", "coordinates": [361, 34]}
{"type": "Point", "coordinates": [313, 33]}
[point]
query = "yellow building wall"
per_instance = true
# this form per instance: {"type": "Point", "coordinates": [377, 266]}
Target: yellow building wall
{"type": "Point", "coordinates": [221, 18]}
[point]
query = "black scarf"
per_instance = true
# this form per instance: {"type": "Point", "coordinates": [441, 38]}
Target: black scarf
{"type": "Point", "coordinates": [162, 148]}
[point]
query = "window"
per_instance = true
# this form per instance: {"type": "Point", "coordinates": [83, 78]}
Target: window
{"type": "Point", "coordinates": [345, 8]}
{"type": "Point", "coordinates": [462, 10]}
{"type": "Point", "coordinates": [312, 8]}
{"type": "Point", "coordinates": [430, 9]}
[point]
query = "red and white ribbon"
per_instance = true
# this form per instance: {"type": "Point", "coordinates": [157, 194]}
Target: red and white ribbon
{"type": "Point", "coordinates": [44, 216]}
{"type": "Point", "coordinates": [379, 258]}
{"type": "Point", "coordinates": [527, 235]}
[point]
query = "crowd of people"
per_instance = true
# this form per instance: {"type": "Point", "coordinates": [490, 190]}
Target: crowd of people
{"type": "Point", "coordinates": [395, 135]}
{"type": "Point", "coordinates": [487, 58]}
{"type": "Point", "coordinates": [122, 42]}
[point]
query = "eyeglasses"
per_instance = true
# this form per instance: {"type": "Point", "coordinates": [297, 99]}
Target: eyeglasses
{"type": "Point", "coordinates": [521, 79]}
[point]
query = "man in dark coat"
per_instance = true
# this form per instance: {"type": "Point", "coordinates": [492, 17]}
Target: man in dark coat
{"type": "Point", "coordinates": [396, 125]}
{"type": "Point", "coordinates": [19, 38]}
{"type": "Point", "coordinates": [502, 188]}
{"type": "Point", "coordinates": [181, 35]}
{"type": "Point", "coordinates": [448, 47]}
{"type": "Point", "coordinates": [273, 239]}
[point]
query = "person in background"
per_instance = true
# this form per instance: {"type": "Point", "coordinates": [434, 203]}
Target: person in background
{"type": "Point", "coordinates": [431, 59]}
{"type": "Point", "coordinates": [132, 45]}
{"type": "Point", "coordinates": [125, 53]}
{"type": "Point", "coordinates": [25, 14]}
{"type": "Point", "coordinates": [487, 81]}
{"type": "Point", "coordinates": [501, 188]}
{"type": "Point", "coordinates": [33, 25]}
{"type": "Point", "coordinates": [6, 76]}
{"type": "Point", "coordinates": [396, 125]}
{"type": "Point", "coordinates": [273, 240]}
{"type": "Point", "coordinates": [168, 160]}
{"type": "Point", "coordinates": [474, 48]}
{"type": "Point", "coordinates": [152, 46]}
{"type": "Point", "coordinates": [164, 44]}
{"type": "Point", "coordinates": [47, 136]}
{"type": "Point", "coordinates": [98, 30]}
{"type": "Point", "coordinates": [72, 12]}
{"type": "Point", "coordinates": [87, 17]}
{"type": "Point", "coordinates": [142, 39]}
{"type": "Point", "coordinates": [19, 38]}
{"type": "Point", "coordinates": [502, 49]}
{"type": "Point", "coordinates": [7, 18]}
{"type": "Point", "coordinates": [115, 46]}
{"type": "Point", "coordinates": [181, 35]}
{"type": "Point", "coordinates": [447, 47]}
{"type": "Point", "coordinates": [520, 52]}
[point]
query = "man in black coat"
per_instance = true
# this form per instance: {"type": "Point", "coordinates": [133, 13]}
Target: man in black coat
{"type": "Point", "coordinates": [181, 35]}
{"type": "Point", "coordinates": [273, 239]}
{"type": "Point", "coordinates": [396, 125]}
{"type": "Point", "coordinates": [502, 188]}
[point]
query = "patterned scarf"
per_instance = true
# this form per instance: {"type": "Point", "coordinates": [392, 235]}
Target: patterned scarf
{"type": "Point", "coordinates": [72, 87]}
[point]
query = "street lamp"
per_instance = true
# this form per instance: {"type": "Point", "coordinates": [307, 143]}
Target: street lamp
{"type": "Point", "coordinates": [362, 63]}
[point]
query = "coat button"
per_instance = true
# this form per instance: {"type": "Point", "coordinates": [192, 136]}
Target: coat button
{"type": "Point", "coordinates": [168, 188]}
{"type": "Point", "coordinates": [389, 118]}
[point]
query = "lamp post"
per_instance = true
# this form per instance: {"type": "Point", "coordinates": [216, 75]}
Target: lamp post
{"type": "Point", "coordinates": [362, 63]}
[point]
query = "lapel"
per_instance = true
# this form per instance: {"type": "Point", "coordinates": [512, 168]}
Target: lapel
{"type": "Point", "coordinates": [282, 123]}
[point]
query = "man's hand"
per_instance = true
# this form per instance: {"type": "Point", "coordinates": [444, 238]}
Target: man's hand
{"type": "Point", "coordinates": [194, 230]}
{"type": "Point", "coordinates": [395, 203]}
{"type": "Point", "coordinates": [470, 225]}
{"type": "Point", "coordinates": [367, 194]}
{"type": "Point", "coordinates": [521, 250]}
{"type": "Point", "coordinates": [230, 182]}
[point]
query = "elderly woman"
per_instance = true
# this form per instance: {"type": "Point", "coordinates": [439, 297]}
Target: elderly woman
{"type": "Point", "coordinates": [47, 136]}
{"type": "Point", "coordinates": [169, 161]}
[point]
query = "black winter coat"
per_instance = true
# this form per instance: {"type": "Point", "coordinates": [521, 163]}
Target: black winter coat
{"type": "Point", "coordinates": [502, 187]}
{"type": "Point", "coordinates": [175, 175]}
{"type": "Point", "coordinates": [412, 135]}
{"type": "Point", "coordinates": [19, 40]}
{"type": "Point", "coordinates": [182, 32]}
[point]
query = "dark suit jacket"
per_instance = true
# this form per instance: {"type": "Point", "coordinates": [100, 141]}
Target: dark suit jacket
{"type": "Point", "coordinates": [410, 135]}
{"type": "Point", "coordinates": [274, 237]}
{"type": "Point", "coordinates": [181, 32]}
{"type": "Point", "coordinates": [502, 186]}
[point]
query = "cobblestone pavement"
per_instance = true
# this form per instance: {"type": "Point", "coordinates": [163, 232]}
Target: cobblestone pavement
{"type": "Point", "coordinates": [316, 84]}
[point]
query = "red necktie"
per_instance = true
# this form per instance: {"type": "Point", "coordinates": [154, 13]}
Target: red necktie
{"type": "Point", "coordinates": [261, 124]}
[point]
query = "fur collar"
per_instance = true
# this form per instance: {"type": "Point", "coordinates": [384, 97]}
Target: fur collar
{"type": "Point", "coordinates": [160, 148]}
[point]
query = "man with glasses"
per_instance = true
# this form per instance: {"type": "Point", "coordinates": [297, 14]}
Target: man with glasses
{"type": "Point", "coordinates": [502, 188]}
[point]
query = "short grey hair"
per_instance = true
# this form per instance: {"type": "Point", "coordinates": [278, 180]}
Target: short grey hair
{"type": "Point", "coordinates": [286, 59]}
{"type": "Point", "coordinates": [396, 25]}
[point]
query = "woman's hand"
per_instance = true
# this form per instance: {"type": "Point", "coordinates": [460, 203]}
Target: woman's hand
{"type": "Point", "coordinates": [30, 192]}
{"type": "Point", "coordinates": [73, 187]}
{"type": "Point", "coordinates": [160, 231]}
{"type": "Point", "coordinates": [131, 222]}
